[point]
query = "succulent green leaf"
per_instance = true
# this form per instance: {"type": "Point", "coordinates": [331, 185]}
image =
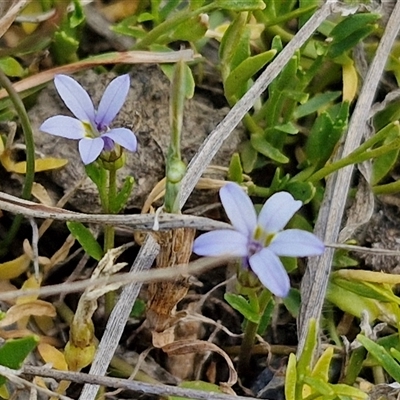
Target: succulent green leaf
{"type": "Point", "coordinates": [305, 361]}
{"type": "Point", "coordinates": [316, 103]}
{"type": "Point", "coordinates": [337, 48]}
{"type": "Point", "coordinates": [291, 378]}
{"type": "Point", "coordinates": [238, 77]}
{"type": "Point", "coordinates": [292, 302]}
{"type": "Point", "coordinates": [86, 239]}
{"type": "Point", "coordinates": [235, 172]}
{"type": "Point", "coordinates": [122, 197]}
{"type": "Point", "coordinates": [249, 156]}
{"type": "Point", "coordinates": [382, 356]}
{"type": "Point", "coordinates": [14, 351]}
{"type": "Point", "coordinates": [239, 303]}
{"type": "Point", "coordinates": [240, 5]}
{"type": "Point", "coordinates": [303, 191]}
{"type": "Point", "coordinates": [266, 149]}
{"type": "Point", "coordinates": [351, 25]}
{"type": "Point", "coordinates": [11, 67]}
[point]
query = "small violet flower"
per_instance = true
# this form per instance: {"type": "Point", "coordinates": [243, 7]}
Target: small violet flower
{"type": "Point", "coordinates": [91, 126]}
{"type": "Point", "coordinates": [260, 240]}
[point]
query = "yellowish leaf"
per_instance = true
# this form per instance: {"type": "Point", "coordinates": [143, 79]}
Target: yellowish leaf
{"type": "Point", "coordinates": [52, 355]}
{"type": "Point", "coordinates": [18, 311]}
{"type": "Point", "coordinates": [62, 253]}
{"type": "Point", "coordinates": [45, 324]}
{"type": "Point", "coordinates": [40, 193]}
{"type": "Point", "coordinates": [120, 9]}
{"type": "Point", "coordinates": [42, 164]}
{"type": "Point", "coordinates": [350, 82]}
{"type": "Point", "coordinates": [6, 160]}
{"type": "Point", "coordinates": [4, 392]}
{"type": "Point", "coordinates": [33, 7]}
{"type": "Point", "coordinates": [14, 268]}
{"type": "Point", "coordinates": [30, 283]}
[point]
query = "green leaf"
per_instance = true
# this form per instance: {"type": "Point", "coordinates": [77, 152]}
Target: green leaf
{"type": "Point", "coordinates": [352, 303]}
{"type": "Point", "coordinates": [291, 378]}
{"type": "Point", "coordinates": [235, 45]}
{"type": "Point", "coordinates": [369, 290]}
{"type": "Point", "coordinates": [351, 25]}
{"type": "Point", "coordinates": [292, 302]}
{"type": "Point", "coordinates": [303, 191]}
{"type": "Point", "coordinates": [315, 104]}
{"type": "Point", "coordinates": [350, 392]}
{"type": "Point", "coordinates": [325, 133]}
{"type": "Point", "coordinates": [78, 16]}
{"type": "Point", "coordinates": [138, 309]}
{"type": "Point", "coordinates": [239, 303]}
{"type": "Point", "coordinates": [382, 357]}
{"type": "Point", "coordinates": [123, 195]}
{"type": "Point", "coordinates": [11, 67]}
{"type": "Point", "coordinates": [14, 351]}
{"type": "Point", "coordinates": [266, 149]}
{"type": "Point", "coordinates": [235, 172]}
{"type": "Point", "coordinates": [238, 77]}
{"type": "Point", "coordinates": [249, 156]}
{"type": "Point", "coordinates": [197, 385]}
{"type": "Point", "coordinates": [288, 128]}
{"type": "Point", "coordinates": [383, 165]}
{"type": "Point", "coordinates": [240, 5]}
{"type": "Point", "coordinates": [97, 175]}
{"type": "Point", "coordinates": [266, 317]}
{"type": "Point", "coordinates": [305, 361]}
{"type": "Point", "coordinates": [191, 30]}
{"type": "Point", "coordinates": [86, 239]}
{"type": "Point", "coordinates": [65, 47]}
{"type": "Point", "coordinates": [319, 386]}
{"type": "Point", "coordinates": [350, 32]}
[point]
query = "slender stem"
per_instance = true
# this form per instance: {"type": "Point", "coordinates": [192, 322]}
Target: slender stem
{"type": "Point", "coordinates": [109, 233]}
{"type": "Point", "coordinates": [250, 334]}
{"type": "Point", "coordinates": [30, 158]}
{"type": "Point", "coordinates": [170, 23]}
{"type": "Point", "coordinates": [354, 158]}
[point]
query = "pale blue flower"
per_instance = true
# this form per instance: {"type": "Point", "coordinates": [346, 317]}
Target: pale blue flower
{"type": "Point", "coordinates": [260, 240]}
{"type": "Point", "coordinates": [91, 126]}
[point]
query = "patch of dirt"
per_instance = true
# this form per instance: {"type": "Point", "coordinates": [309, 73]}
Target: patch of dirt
{"type": "Point", "coordinates": [146, 111]}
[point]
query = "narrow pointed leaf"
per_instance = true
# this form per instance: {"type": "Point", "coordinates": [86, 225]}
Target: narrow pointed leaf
{"type": "Point", "coordinates": [86, 239]}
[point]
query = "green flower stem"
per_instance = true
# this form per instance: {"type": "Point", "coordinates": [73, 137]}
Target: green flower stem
{"type": "Point", "coordinates": [109, 232]}
{"type": "Point", "coordinates": [251, 331]}
{"type": "Point", "coordinates": [354, 158]}
{"type": "Point", "coordinates": [30, 158]}
{"type": "Point", "coordinates": [169, 24]}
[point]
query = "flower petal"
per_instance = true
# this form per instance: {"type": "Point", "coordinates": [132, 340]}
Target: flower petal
{"type": "Point", "coordinates": [124, 137]}
{"type": "Point", "coordinates": [239, 208]}
{"type": "Point", "coordinates": [270, 271]}
{"type": "Point", "coordinates": [113, 98]}
{"type": "Point", "coordinates": [75, 97]}
{"type": "Point", "coordinates": [218, 243]}
{"type": "Point", "coordinates": [63, 126]}
{"type": "Point", "coordinates": [277, 211]}
{"type": "Point", "coordinates": [90, 149]}
{"type": "Point", "coordinates": [296, 243]}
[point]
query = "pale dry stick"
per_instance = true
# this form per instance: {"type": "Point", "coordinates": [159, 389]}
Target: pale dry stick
{"type": "Point", "coordinates": [119, 280]}
{"type": "Point", "coordinates": [11, 14]}
{"type": "Point", "coordinates": [316, 278]}
{"type": "Point", "coordinates": [143, 222]}
{"type": "Point", "coordinates": [196, 168]}
{"type": "Point", "coordinates": [365, 250]}
{"type": "Point", "coordinates": [125, 57]}
{"type": "Point", "coordinates": [156, 389]}
{"type": "Point", "coordinates": [12, 375]}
